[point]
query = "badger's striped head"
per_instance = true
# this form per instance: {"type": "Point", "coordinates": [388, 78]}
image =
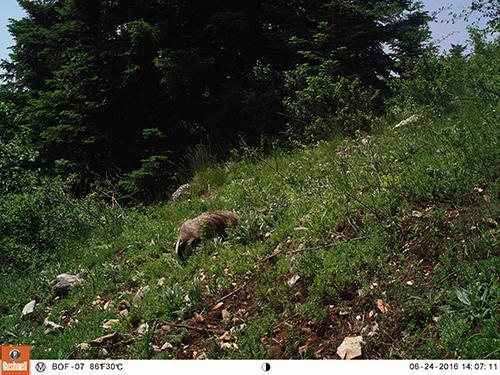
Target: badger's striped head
{"type": "Point", "coordinates": [183, 248]}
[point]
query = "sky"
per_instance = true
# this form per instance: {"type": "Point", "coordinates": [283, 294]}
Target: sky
{"type": "Point", "coordinates": [445, 33]}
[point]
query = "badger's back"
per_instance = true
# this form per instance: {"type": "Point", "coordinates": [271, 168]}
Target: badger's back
{"type": "Point", "coordinates": [214, 223]}
{"type": "Point", "coordinates": [207, 225]}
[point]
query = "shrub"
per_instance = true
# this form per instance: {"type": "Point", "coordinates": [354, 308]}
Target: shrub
{"type": "Point", "coordinates": [442, 84]}
{"type": "Point", "coordinates": [37, 225]}
{"type": "Point", "coordinates": [322, 103]}
{"type": "Point", "coordinates": [151, 179]}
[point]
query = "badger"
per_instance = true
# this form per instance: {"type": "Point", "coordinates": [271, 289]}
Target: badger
{"type": "Point", "coordinates": [207, 225]}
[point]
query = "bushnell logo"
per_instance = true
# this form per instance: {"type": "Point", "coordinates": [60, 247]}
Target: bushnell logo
{"type": "Point", "coordinates": [15, 360]}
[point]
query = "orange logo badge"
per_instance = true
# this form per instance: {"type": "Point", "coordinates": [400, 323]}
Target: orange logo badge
{"type": "Point", "coordinates": [15, 360]}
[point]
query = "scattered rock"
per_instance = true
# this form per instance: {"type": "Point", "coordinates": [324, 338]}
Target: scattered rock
{"type": "Point", "coordinates": [28, 308]}
{"type": "Point", "coordinates": [350, 347]}
{"type": "Point", "coordinates": [373, 330]}
{"type": "Point", "coordinates": [65, 281]}
{"type": "Point", "coordinates": [201, 355]}
{"type": "Point", "coordinates": [97, 301]}
{"type": "Point", "coordinates": [293, 280]}
{"type": "Point", "coordinates": [110, 323]}
{"type": "Point", "coordinates": [166, 346]}
{"type": "Point", "coordinates": [409, 120]}
{"type": "Point", "coordinates": [229, 346]}
{"type": "Point", "coordinates": [143, 329]}
{"type": "Point", "coordinates": [84, 346]}
{"type": "Point", "coordinates": [417, 214]}
{"type": "Point", "coordinates": [161, 282]}
{"type": "Point", "coordinates": [123, 312]}
{"type": "Point", "coordinates": [410, 283]}
{"type": "Point", "coordinates": [140, 294]}
{"type": "Point", "coordinates": [108, 305]}
{"type": "Point", "coordinates": [51, 326]}
{"type": "Point", "coordinates": [178, 194]}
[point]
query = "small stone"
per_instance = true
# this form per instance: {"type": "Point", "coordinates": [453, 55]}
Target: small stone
{"type": "Point", "coordinates": [108, 324]}
{"type": "Point", "coordinates": [28, 308]}
{"type": "Point", "coordinates": [143, 329]}
{"type": "Point", "coordinates": [293, 280]}
{"type": "Point", "coordinates": [350, 347]}
{"type": "Point", "coordinates": [84, 346]}
{"type": "Point", "coordinates": [166, 346]}
{"type": "Point", "coordinates": [161, 282]}
{"type": "Point", "coordinates": [65, 281]}
{"type": "Point", "coordinates": [409, 120]}
{"type": "Point", "coordinates": [123, 312]}
{"type": "Point", "coordinates": [178, 194]}
{"type": "Point", "coordinates": [410, 283]}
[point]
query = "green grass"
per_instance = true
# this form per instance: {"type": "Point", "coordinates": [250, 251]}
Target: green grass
{"type": "Point", "coordinates": [407, 216]}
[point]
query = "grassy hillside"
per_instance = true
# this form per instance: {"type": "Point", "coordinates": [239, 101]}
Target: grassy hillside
{"type": "Point", "coordinates": [391, 235]}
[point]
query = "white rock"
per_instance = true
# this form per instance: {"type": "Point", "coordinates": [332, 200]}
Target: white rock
{"type": "Point", "coordinates": [409, 120]}
{"type": "Point", "coordinates": [67, 278]}
{"type": "Point", "coordinates": [143, 329]}
{"type": "Point", "coordinates": [177, 195]}
{"type": "Point", "coordinates": [350, 347]}
{"type": "Point", "coordinates": [293, 280]}
{"type": "Point", "coordinates": [166, 346]}
{"type": "Point", "coordinates": [84, 346]}
{"type": "Point", "coordinates": [110, 323]}
{"type": "Point", "coordinates": [28, 308]}
{"type": "Point", "coordinates": [51, 326]}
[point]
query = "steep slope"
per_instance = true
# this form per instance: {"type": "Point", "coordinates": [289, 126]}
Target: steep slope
{"type": "Point", "coordinates": [390, 236]}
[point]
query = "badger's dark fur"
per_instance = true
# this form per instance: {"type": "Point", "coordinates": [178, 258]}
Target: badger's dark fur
{"type": "Point", "coordinates": [207, 225]}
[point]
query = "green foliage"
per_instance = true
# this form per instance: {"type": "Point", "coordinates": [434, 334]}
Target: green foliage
{"type": "Point", "coordinates": [445, 83]}
{"type": "Point", "coordinates": [92, 79]}
{"type": "Point", "coordinates": [325, 104]}
{"type": "Point", "coordinates": [150, 180]}
{"type": "Point", "coordinates": [39, 224]}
